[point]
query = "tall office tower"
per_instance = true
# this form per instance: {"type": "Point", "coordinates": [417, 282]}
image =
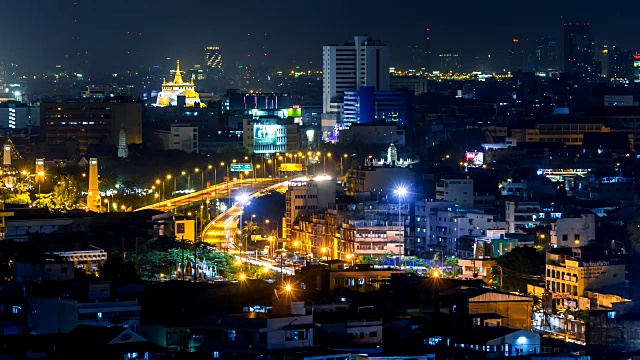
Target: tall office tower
{"type": "Point", "coordinates": [93, 195]}
{"type": "Point", "coordinates": [359, 62]}
{"type": "Point", "coordinates": [545, 55]}
{"type": "Point", "coordinates": [450, 63]}
{"type": "Point", "coordinates": [620, 65]}
{"type": "Point", "coordinates": [579, 52]}
{"type": "Point", "coordinates": [77, 58]}
{"type": "Point", "coordinates": [427, 52]}
{"type": "Point", "coordinates": [416, 55]}
{"type": "Point", "coordinates": [602, 55]}
{"type": "Point", "coordinates": [516, 56]}
{"type": "Point", "coordinates": [636, 67]}
{"type": "Point", "coordinates": [212, 59]}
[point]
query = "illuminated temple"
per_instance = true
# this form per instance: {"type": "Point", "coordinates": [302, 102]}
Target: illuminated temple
{"type": "Point", "coordinates": [177, 88]}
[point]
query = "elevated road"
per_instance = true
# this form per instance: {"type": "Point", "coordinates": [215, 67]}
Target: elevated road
{"type": "Point", "coordinates": [221, 190]}
{"type": "Point", "coordinates": [221, 230]}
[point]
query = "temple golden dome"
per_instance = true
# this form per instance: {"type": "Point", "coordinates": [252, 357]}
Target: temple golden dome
{"type": "Point", "coordinates": [190, 94]}
{"type": "Point", "coordinates": [164, 101]}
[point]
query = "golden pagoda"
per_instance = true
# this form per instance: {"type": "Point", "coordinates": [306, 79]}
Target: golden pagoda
{"type": "Point", "coordinates": [178, 87]}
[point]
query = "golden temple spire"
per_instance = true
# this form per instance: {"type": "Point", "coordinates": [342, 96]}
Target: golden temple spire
{"type": "Point", "coordinates": [178, 77]}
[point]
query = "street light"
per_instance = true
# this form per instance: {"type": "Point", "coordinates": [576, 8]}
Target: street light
{"type": "Point", "coordinates": [401, 191]}
{"type": "Point", "coordinates": [277, 227]}
{"type": "Point", "coordinates": [342, 167]}
{"type": "Point", "coordinates": [350, 257]}
{"type": "Point", "coordinates": [183, 173]}
{"type": "Point", "coordinates": [169, 177]}
{"type": "Point", "coordinates": [325, 251]}
{"type": "Point", "coordinates": [158, 183]}
{"type": "Point", "coordinates": [324, 167]}
{"type": "Point", "coordinates": [243, 199]}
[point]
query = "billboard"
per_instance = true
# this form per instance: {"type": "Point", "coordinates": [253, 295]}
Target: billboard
{"type": "Point", "coordinates": [290, 167]}
{"type": "Point", "coordinates": [475, 158]}
{"type": "Point", "coordinates": [242, 167]}
{"type": "Point", "coordinates": [267, 134]}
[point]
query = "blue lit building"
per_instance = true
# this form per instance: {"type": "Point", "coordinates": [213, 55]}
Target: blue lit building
{"type": "Point", "coordinates": [367, 106]}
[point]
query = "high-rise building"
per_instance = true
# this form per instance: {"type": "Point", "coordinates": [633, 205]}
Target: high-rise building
{"type": "Point", "coordinates": [91, 123]}
{"type": "Point", "coordinates": [579, 52]}
{"type": "Point", "coordinates": [620, 65]}
{"type": "Point", "coordinates": [545, 55]}
{"type": "Point", "coordinates": [359, 62]}
{"type": "Point", "coordinates": [449, 63]}
{"type": "Point", "coordinates": [603, 57]}
{"type": "Point", "coordinates": [427, 52]}
{"type": "Point", "coordinates": [636, 67]}
{"type": "Point", "coordinates": [212, 59]}
{"type": "Point", "coordinates": [516, 56]}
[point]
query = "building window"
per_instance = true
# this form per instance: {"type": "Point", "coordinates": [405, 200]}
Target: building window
{"type": "Point", "coordinates": [373, 334]}
{"type": "Point", "coordinates": [296, 335]}
{"type": "Point", "coordinates": [611, 314]}
{"type": "Point", "coordinates": [231, 335]}
{"type": "Point", "coordinates": [565, 237]}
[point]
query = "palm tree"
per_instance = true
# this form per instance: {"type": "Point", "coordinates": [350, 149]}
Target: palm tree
{"type": "Point", "coordinates": [249, 228]}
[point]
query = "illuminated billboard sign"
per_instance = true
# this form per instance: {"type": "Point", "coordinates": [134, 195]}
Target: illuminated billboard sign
{"type": "Point", "coordinates": [290, 167]}
{"type": "Point", "coordinates": [268, 134]}
{"type": "Point", "coordinates": [474, 158]}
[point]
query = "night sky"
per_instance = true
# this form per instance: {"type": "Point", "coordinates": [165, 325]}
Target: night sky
{"type": "Point", "coordinates": [37, 33]}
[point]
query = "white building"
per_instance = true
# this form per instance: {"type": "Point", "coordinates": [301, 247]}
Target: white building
{"type": "Point", "coordinates": [16, 115]}
{"type": "Point", "coordinates": [459, 191]}
{"type": "Point", "coordinates": [522, 214]}
{"type": "Point", "coordinates": [52, 315]}
{"type": "Point", "coordinates": [307, 196]}
{"type": "Point", "coordinates": [374, 238]}
{"type": "Point", "coordinates": [439, 225]}
{"type": "Point", "coordinates": [179, 137]}
{"type": "Point", "coordinates": [573, 231]}
{"type": "Point", "coordinates": [359, 62]}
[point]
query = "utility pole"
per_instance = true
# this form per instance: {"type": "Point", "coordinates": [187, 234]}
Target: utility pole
{"type": "Point", "coordinates": [182, 264]}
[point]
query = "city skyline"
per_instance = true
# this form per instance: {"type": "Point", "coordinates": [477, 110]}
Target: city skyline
{"type": "Point", "coordinates": [119, 34]}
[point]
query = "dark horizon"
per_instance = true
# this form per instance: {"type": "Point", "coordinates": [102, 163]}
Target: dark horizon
{"type": "Point", "coordinates": [120, 33]}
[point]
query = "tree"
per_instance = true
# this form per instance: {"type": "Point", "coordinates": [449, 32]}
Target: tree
{"type": "Point", "coordinates": [65, 194]}
{"type": "Point", "coordinates": [453, 262]}
{"type": "Point", "coordinates": [117, 270]}
{"type": "Point", "coordinates": [19, 194]}
{"type": "Point", "coordinates": [63, 198]}
{"type": "Point", "coordinates": [366, 259]}
{"type": "Point", "coordinates": [520, 266]}
{"type": "Point", "coordinates": [248, 229]}
{"type": "Point", "coordinates": [633, 229]}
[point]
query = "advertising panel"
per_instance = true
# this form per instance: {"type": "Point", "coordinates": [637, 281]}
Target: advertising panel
{"type": "Point", "coordinates": [267, 134]}
{"type": "Point", "coordinates": [476, 158]}
{"type": "Point", "coordinates": [290, 167]}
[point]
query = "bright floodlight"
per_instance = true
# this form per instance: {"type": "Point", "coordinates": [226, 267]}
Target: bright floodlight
{"type": "Point", "coordinates": [402, 191]}
{"type": "Point", "coordinates": [243, 198]}
{"type": "Point", "coordinates": [287, 287]}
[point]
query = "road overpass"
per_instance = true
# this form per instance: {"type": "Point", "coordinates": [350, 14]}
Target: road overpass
{"type": "Point", "coordinates": [221, 190]}
{"type": "Point", "coordinates": [221, 230]}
